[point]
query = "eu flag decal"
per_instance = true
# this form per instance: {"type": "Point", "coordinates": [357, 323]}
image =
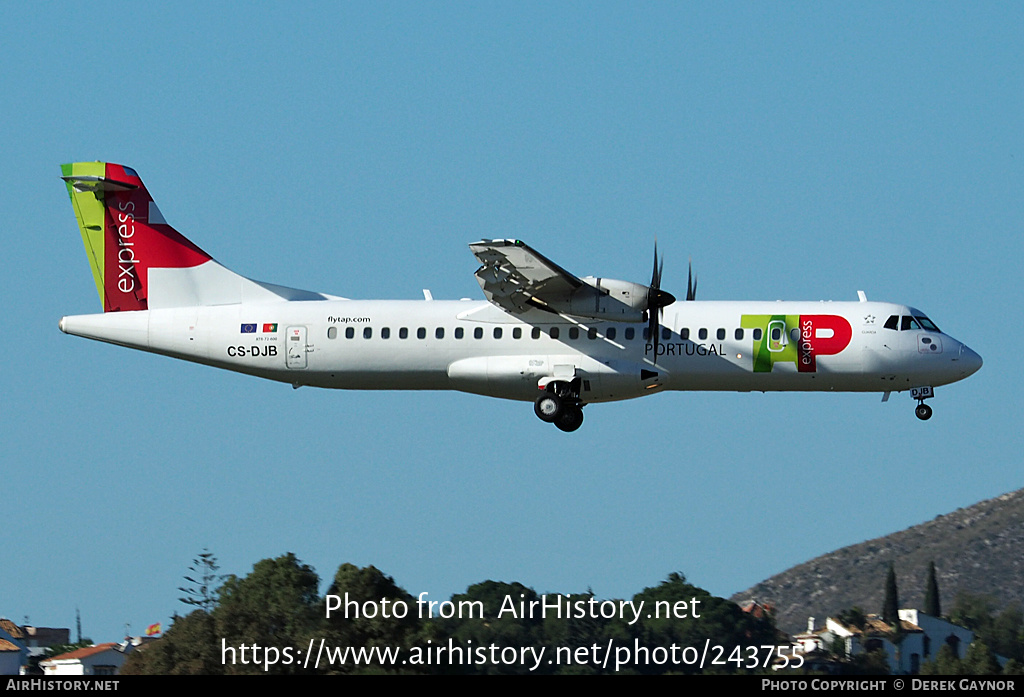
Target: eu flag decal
{"type": "Point", "coordinates": [248, 328]}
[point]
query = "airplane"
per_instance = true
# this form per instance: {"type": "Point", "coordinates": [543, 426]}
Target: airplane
{"type": "Point", "coordinates": [543, 334]}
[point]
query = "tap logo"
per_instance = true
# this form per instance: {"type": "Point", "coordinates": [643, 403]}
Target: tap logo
{"type": "Point", "coordinates": [796, 339]}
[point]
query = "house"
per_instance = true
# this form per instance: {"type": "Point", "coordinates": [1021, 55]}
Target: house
{"type": "Point", "coordinates": [938, 632]}
{"type": "Point", "coordinates": [33, 642]}
{"type": "Point", "coordinates": [101, 659]}
{"type": "Point", "coordinates": [13, 652]}
{"type": "Point", "coordinates": [12, 657]}
{"type": "Point", "coordinates": [918, 639]}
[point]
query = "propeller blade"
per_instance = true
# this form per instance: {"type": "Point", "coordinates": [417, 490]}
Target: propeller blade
{"type": "Point", "coordinates": [657, 299]}
{"type": "Point", "coordinates": [691, 283]}
{"type": "Point", "coordinates": [656, 272]}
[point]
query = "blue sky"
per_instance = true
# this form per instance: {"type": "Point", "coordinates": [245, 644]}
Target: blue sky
{"type": "Point", "coordinates": [793, 151]}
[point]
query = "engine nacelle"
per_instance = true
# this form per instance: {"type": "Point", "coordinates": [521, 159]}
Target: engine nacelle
{"type": "Point", "coordinates": [608, 299]}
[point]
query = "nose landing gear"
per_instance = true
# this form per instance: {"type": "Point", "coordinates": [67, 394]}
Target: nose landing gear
{"type": "Point", "coordinates": [560, 405]}
{"type": "Point", "coordinates": [923, 411]}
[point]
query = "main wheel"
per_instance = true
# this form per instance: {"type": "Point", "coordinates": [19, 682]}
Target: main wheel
{"type": "Point", "coordinates": [923, 411]}
{"type": "Point", "coordinates": [547, 407]}
{"type": "Point", "coordinates": [570, 418]}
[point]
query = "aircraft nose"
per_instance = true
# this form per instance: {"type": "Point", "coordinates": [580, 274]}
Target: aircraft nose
{"type": "Point", "coordinates": [969, 360]}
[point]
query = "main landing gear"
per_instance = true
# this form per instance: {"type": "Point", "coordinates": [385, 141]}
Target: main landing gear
{"type": "Point", "coordinates": [560, 405]}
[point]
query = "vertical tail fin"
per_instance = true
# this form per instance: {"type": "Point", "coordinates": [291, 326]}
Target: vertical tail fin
{"type": "Point", "coordinates": [124, 233]}
{"type": "Point", "coordinates": [139, 262]}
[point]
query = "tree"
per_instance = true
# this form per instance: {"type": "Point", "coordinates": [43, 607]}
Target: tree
{"type": "Point", "coordinates": [973, 611]}
{"type": "Point", "coordinates": [703, 620]}
{"type": "Point", "coordinates": [853, 617]}
{"type": "Point", "coordinates": [369, 609]}
{"type": "Point", "coordinates": [980, 660]}
{"type": "Point", "coordinates": [510, 629]}
{"type": "Point", "coordinates": [891, 606]}
{"type": "Point", "coordinates": [932, 605]}
{"type": "Point", "coordinates": [276, 605]}
{"type": "Point", "coordinates": [189, 647]}
{"type": "Point", "coordinates": [947, 662]}
{"type": "Point", "coordinates": [202, 593]}
{"type": "Point", "coordinates": [1005, 636]}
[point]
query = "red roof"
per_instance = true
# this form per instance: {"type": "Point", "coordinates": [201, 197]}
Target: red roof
{"type": "Point", "coordinates": [83, 653]}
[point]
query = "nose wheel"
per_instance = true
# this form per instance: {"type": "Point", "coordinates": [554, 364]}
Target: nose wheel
{"type": "Point", "coordinates": [922, 411]}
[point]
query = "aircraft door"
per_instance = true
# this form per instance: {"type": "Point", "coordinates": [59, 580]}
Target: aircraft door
{"type": "Point", "coordinates": [295, 350]}
{"type": "Point", "coordinates": [777, 339]}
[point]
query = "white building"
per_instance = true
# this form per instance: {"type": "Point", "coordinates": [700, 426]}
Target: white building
{"type": "Point", "coordinates": [937, 632]}
{"type": "Point", "coordinates": [919, 639]}
{"type": "Point", "coordinates": [101, 659]}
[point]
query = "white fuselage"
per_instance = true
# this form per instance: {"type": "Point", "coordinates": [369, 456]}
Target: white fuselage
{"type": "Point", "coordinates": [476, 347]}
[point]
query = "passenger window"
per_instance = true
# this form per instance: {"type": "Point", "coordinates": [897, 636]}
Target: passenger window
{"type": "Point", "coordinates": [720, 334]}
{"type": "Point", "coordinates": [684, 333]}
{"type": "Point", "coordinates": [439, 333]}
{"type": "Point", "coordinates": [630, 333]}
{"type": "Point", "coordinates": [478, 333]}
{"type": "Point", "coordinates": [350, 332]}
{"type": "Point", "coordinates": [535, 333]}
{"type": "Point", "coordinates": [574, 333]}
{"type": "Point", "coordinates": [367, 332]}
{"type": "Point", "coordinates": [517, 333]}
{"type": "Point", "coordinates": [794, 334]}
{"type": "Point", "coordinates": [646, 334]}
{"type": "Point", "coordinates": [610, 333]}
{"type": "Point", "coordinates": [591, 333]}
{"type": "Point", "coordinates": [666, 333]}
{"type": "Point", "coordinates": [497, 332]}
{"type": "Point", "coordinates": [702, 334]}
{"type": "Point", "coordinates": [403, 333]}
{"type": "Point", "coordinates": [385, 333]}
{"type": "Point", "coordinates": [739, 335]}
{"type": "Point", "coordinates": [554, 332]}
{"type": "Point", "coordinates": [421, 333]}
{"type": "Point", "coordinates": [332, 332]}
{"type": "Point", "coordinates": [758, 334]}
{"type": "Point", "coordinates": [459, 332]}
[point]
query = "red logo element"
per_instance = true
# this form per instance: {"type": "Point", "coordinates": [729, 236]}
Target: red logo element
{"type": "Point", "coordinates": [134, 244]}
{"type": "Point", "coordinates": [821, 335]}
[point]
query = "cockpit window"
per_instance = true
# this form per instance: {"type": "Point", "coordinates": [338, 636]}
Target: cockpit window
{"type": "Point", "coordinates": [908, 322]}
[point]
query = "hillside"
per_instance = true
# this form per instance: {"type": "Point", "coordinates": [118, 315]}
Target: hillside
{"type": "Point", "coordinates": [979, 549]}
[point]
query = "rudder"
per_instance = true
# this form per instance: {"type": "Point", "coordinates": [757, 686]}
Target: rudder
{"type": "Point", "coordinates": [124, 233]}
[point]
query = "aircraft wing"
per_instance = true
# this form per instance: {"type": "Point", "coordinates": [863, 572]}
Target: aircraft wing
{"type": "Point", "coordinates": [517, 278]}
